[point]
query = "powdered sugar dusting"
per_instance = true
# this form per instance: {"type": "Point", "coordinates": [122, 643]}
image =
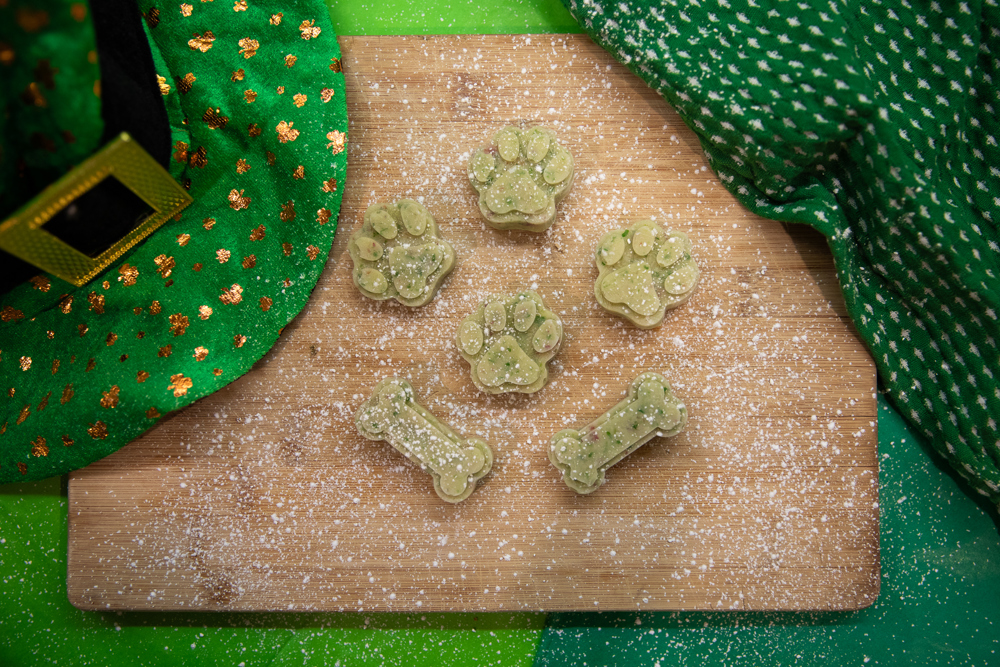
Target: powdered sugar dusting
{"type": "Point", "coordinates": [263, 496]}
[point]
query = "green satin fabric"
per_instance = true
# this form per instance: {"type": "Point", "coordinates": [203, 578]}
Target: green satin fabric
{"type": "Point", "coordinates": [49, 93]}
{"type": "Point", "coordinates": [255, 98]}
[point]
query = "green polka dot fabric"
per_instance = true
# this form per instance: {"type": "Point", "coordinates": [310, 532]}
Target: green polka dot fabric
{"type": "Point", "coordinates": [875, 123]}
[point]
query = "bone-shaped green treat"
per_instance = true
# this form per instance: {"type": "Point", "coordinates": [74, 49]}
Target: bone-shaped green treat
{"type": "Point", "coordinates": [649, 410]}
{"type": "Point", "coordinates": [398, 253]}
{"type": "Point", "coordinates": [393, 414]}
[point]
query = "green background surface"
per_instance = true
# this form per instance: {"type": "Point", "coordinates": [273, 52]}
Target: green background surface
{"type": "Point", "coordinates": [940, 553]}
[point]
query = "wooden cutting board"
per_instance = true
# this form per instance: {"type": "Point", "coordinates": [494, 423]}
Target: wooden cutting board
{"type": "Point", "coordinates": [264, 497]}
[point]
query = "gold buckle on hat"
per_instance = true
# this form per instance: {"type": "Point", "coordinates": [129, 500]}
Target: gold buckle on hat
{"type": "Point", "coordinates": [123, 158]}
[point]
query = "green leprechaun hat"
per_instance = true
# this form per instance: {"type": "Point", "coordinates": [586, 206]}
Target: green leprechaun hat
{"type": "Point", "coordinates": [170, 179]}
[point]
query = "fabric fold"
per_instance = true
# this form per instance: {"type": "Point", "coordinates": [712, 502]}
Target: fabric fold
{"type": "Point", "coordinates": [876, 124]}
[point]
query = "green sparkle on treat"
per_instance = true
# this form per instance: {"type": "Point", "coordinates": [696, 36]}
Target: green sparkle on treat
{"type": "Point", "coordinates": [470, 337]}
{"type": "Point", "coordinates": [495, 316]}
{"type": "Point", "coordinates": [536, 144]}
{"type": "Point", "coordinates": [411, 265]}
{"type": "Point", "coordinates": [642, 241]}
{"type": "Point", "coordinates": [369, 248]}
{"type": "Point", "coordinates": [521, 178]}
{"type": "Point", "coordinates": [632, 285]}
{"type": "Point", "coordinates": [508, 341]}
{"type": "Point", "coordinates": [482, 165]}
{"type": "Point", "coordinates": [398, 253]}
{"type": "Point", "coordinates": [649, 410]}
{"type": "Point", "coordinates": [611, 248]}
{"type": "Point", "coordinates": [371, 280]}
{"type": "Point", "coordinates": [516, 191]}
{"type": "Point", "coordinates": [383, 223]}
{"type": "Point", "coordinates": [644, 272]}
{"type": "Point", "coordinates": [414, 216]}
{"type": "Point", "coordinates": [506, 362]}
{"type": "Point", "coordinates": [524, 315]}
{"type": "Point", "coordinates": [547, 337]}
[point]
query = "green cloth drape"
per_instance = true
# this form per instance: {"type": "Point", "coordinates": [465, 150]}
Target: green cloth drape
{"type": "Point", "coordinates": [876, 123]}
{"type": "Point", "coordinates": [254, 95]}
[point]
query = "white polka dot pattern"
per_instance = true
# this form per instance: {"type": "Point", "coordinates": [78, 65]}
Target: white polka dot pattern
{"type": "Point", "coordinates": [876, 123]}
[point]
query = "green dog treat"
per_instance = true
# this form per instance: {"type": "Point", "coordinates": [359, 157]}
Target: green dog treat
{"type": "Point", "coordinates": [521, 177]}
{"type": "Point", "coordinates": [649, 410]}
{"type": "Point", "coordinates": [399, 254]}
{"type": "Point", "coordinates": [508, 341]}
{"type": "Point", "coordinates": [393, 414]}
{"type": "Point", "coordinates": [644, 272]}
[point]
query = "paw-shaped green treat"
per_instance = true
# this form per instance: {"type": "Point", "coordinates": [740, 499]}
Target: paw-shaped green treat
{"type": "Point", "coordinates": [394, 415]}
{"type": "Point", "coordinates": [521, 177]}
{"type": "Point", "coordinates": [399, 253]}
{"type": "Point", "coordinates": [644, 272]}
{"type": "Point", "coordinates": [508, 341]}
{"type": "Point", "coordinates": [650, 409]}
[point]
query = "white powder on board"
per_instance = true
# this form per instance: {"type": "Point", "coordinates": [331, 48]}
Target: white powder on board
{"type": "Point", "coordinates": [271, 499]}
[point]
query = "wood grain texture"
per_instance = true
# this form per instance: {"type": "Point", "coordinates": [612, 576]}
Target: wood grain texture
{"type": "Point", "coordinates": [264, 497]}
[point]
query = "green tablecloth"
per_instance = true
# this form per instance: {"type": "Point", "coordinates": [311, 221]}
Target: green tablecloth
{"type": "Point", "coordinates": [940, 553]}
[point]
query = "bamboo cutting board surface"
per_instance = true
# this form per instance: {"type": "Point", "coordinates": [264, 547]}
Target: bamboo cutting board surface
{"type": "Point", "coordinates": [264, 497]}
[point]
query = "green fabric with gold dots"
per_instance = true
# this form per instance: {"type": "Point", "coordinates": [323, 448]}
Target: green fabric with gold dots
{"type": "Point", "coordinates": [875, 123]}
{"type": "Point", "coordinates": [43, 45]}
{"type": "Point", "coordinates": [254, 94]}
